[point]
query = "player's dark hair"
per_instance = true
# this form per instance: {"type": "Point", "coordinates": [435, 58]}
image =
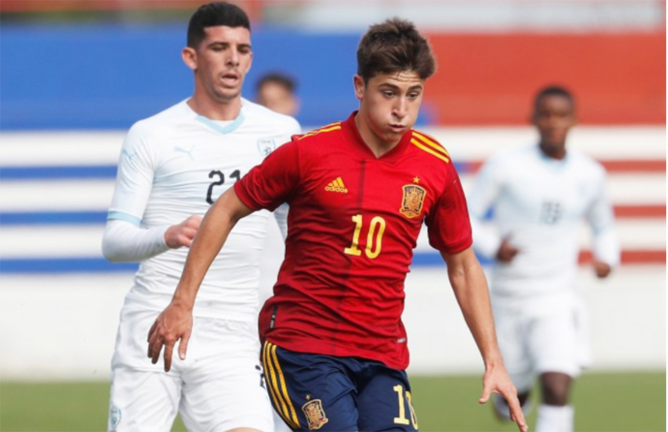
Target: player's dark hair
{"type": "Point", "coordinates": [215, 14]}
{"type": "Point", "coordinates": [394, 45]}
{"type": "Point", "coordinates": [553, 90]}
{"type": "Point", "coordinates": [279, 78]}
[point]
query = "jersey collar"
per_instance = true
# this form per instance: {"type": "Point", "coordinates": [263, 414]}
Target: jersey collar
{"type": "Point", "coordinates": [551, 163]}
{"type": "Point", "coordinates": [223, 129]}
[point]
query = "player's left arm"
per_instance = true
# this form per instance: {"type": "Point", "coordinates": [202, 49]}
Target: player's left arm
{"type": "Point", "coordinates": [265, 186]}
{"type": "Point", "coordinates": [470, 287]}
{"type": "Point", "coordinates": [600, 217]}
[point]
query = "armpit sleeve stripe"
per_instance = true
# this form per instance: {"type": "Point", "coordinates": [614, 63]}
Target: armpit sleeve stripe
{"type": "Point", "coordinates": [114, 215]}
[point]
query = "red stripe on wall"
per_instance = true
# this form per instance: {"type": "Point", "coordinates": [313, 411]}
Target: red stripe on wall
{"type": "Point", "coordinates": [640, 211]}
{"type": "Point", "coordinates": [612, 166]}
{"type": "Point", "coordinates": [491, 78]}
{"type": "Point", "coordinates": [632, 257]}
{"type": "Point", "coordinates": [654, 166]}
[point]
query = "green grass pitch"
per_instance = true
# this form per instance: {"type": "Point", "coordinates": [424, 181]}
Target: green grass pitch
{"type": "Point", "coordinates": [603, 401]}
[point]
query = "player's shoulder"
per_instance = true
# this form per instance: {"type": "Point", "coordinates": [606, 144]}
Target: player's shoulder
{"type": "Point", "coordinates": [263, 115]}
{"type": "Point", "coordinates": [162, 122]}
{"type": "Point", "coordinates": [586, 164]}
{"type": "Point", "coordinates": [522, 155]}
{"type": "Point", "coordinates": [429, 147]}
{"type": "Point", "coordinates": [318, 135]}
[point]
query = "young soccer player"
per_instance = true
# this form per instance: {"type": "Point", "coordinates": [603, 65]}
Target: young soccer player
{"type": "Point", "coordinates": [540, 195]}
{"type": "Point", "coordinates": [335, 349]}
{"type": "Point", "coordinates": [173, 166]}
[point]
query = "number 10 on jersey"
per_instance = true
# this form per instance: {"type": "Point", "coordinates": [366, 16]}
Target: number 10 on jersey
{"type": "Point", "coordinates": [376, 230]}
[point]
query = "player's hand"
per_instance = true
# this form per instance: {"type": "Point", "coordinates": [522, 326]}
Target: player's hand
{"type": "Point", "coordinates": [174, 323]}
{"type": "Point", "coordinates": [602, 269]}
{"type": "Point", "coordinates": [506, 252]}
{"type": "Point", "coordinates": [182, 234]}
{"type": "Point", "coordinates": [496, 380]}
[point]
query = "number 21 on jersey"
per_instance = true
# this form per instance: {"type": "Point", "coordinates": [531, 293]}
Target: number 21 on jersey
{"type": "Point", "coordinates": [374, 239]}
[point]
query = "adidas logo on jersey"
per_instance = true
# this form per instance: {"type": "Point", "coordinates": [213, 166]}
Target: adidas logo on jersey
{"type": "Point", "coordinates": [336, 186]}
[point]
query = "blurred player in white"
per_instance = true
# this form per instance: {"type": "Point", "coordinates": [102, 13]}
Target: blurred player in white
{"type": "Point", "coordinates": [276, 91]}
{"type": "Point", "coordinates": [172, 167]}
{"type": "Point", "coordinates": [539, 196]}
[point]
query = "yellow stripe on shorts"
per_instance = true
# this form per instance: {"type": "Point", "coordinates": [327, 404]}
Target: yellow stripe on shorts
{"type": "Point", "coordinates": [277, 387]}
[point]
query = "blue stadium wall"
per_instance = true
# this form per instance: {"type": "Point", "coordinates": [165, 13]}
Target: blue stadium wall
{"type": "Point", "coordinates": [63, 77]}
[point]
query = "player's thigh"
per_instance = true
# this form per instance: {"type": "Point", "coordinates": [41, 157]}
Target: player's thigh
{"type": "Point", "coordinates": [224, 387]}
{"type": "Point", "coordinates": [555, 343]}
{"type": "Point", "coordinates": [310, 391]}
{"type": "Point", "coordinates": [512, 334]}
{"type": "Point", "coordinates": [218, 404]}
{"type": "Point", "coordinates": [131, 346]}
{"type": "Point", "coordinates": [143, 401]}
{"type": "Point", "coordinates": [385, 402]}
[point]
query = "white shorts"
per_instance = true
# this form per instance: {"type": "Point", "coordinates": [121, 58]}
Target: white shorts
{"type": "Point", "coordinates": [218, 387]}
{"type": "Point", "coordinates": [540, 338]}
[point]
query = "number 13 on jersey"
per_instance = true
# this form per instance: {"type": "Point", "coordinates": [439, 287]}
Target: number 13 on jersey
{"type": "Point", "coordinates": [375, 235]}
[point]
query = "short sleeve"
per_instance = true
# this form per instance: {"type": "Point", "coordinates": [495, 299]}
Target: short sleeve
{"type": "Point", "coordinates": [269, 184]}
{"type": "Point", "coordinates": [448, 223]}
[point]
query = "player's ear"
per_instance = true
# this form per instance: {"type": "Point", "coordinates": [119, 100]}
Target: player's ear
{"type": "Point", "coordinates": [358, 82]}
{"type": "Point", "coordinates": [189, 56]}
{"type": "Point", "coordinates": [250, 63]}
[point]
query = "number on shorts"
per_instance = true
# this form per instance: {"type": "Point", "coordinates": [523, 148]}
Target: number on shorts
{"type": "Point", "coordinates": [402, 402]}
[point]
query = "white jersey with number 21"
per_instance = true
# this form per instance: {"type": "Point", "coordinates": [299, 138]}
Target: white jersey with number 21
{"type": "Point", "coordinates": [176, 164]}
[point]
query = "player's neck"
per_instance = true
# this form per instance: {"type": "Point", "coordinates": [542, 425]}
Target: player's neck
{"type": "Point", "coordinates": [377, 145]}
{"type": "Point", "coordinates": [215, 110]}
{"type": "Point", "coordinates": [558, 153]}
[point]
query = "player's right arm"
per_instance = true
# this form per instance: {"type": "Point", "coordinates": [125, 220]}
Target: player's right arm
{"type": "Point", "coordinates": [481, 198]}
{"type": "Point", "coordinates": [124, 238]}
{"type": "Point", "coordinates": [124, 241]}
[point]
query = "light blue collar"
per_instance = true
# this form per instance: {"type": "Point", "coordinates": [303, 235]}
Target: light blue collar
{"type": "Point", "coordinates": [223, 129]}
{"type": "Point", "coordinates": [555, 164]}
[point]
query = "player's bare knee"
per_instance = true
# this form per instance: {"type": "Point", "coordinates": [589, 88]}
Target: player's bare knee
{"type": "Point", "coordinates": [555, 388]}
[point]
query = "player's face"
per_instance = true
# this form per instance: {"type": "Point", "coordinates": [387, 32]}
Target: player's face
{"type": "Point", "coordinates": [554, 117]}
{"type": "Point", "coordinates": [389, 103]}
{"type": "Point", "coordinates": [221, 62]}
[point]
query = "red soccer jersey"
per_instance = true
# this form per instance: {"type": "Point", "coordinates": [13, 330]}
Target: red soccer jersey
{"type": "Point", "coordinates": [353, 223]}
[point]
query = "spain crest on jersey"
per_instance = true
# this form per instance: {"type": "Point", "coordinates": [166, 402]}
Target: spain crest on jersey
{"type": "Point", "coordinates": [411, 204]}
{"type": "Point", "coordinates": [315, 414]}
{"type": "Point", "coordinates": [266, 146]}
